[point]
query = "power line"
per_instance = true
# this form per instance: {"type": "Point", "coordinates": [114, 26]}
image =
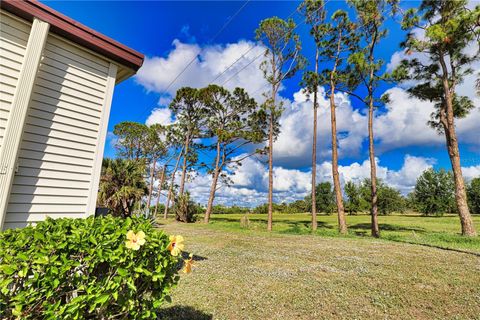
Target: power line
{"type": "Point", "coordinates": [211, 40]}
{"type": "Point", "coordinates": [245, 53]}
{"type": "Point", "coordinates": [258, 56]}
{"type": "Point", "coordinates": [243, 68]}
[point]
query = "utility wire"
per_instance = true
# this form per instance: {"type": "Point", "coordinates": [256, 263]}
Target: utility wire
{"type": "Point", "coordinates": [225, 25]}
{"type": "Point", "coordinates": [262, 53]}
{"type": "Point", "coordinates": [245, 53]}
{"type": "Point", "coordinates": [211, 40]}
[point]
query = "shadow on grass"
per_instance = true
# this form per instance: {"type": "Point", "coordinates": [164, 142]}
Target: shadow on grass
{"type": "Point", "coordinates": [294, 225]}
{"type": "Point", "coordinates": [366, 227]}
{"type": "Point", "coordinates": [435, 246]}
{"type": "Point", "coordinates": [186, 255]}
{"type": "Point", "coordinates": [183, 313]}
{"type": "Point", "coordinates": [304, 227]}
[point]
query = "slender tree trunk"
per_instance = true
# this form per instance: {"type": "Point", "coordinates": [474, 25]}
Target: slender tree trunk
{"type": "Point", "coordinates": [126, 208]}
{"type": "Point", "coordinates": [172, 182]}
{"type": "Point", "coordinates": [213, 188]}
{"type": "Point", "coordinates": [270, 142]}
{"type": "Point", "coordinates": [270, 174]}
{"type": "Point", "coordinates": [468, 228]}
{"type": "Point", "coordinates": [150, 187]}
{"type": "Point", "coordinates": [184, 167]}
{"type": "Point", "coordinates": [342, 223]}
{"type": "Point", "coordinates": [162, 181]}
{"type": "Point", "coordinates": [373, 171]}
{"type": "Point", "coordinates": [454, 154]}
{"type": "Point", "coordinates": [137, 153]}
{"type": "Point", "coordinates": [314, 149]}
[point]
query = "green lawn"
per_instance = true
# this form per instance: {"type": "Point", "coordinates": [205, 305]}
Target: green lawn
{"type": "Point", "coordinates": [443, 232]}
{"type": "Point", "coordinates": [248, 273]}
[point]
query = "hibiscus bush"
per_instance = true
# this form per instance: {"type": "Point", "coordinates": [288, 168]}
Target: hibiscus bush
{"type": "Point", "coordinates": [95, 268]}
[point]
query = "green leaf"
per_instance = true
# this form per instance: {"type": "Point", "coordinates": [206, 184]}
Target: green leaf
{"type": "Point", "coordinates": [122, 272]}
{"type": "Point", "coordinates": [102, 299]}
{"type": "Point", "coordinates": [8, 269]}
{"type": "Point", "coordinates": [4, 286]}
{"type": "Point", "coordinates": [17, 310]}
{"type": "Point", "coordinates": [157, 303]}
{"type": "Point", "coordinates": [38, 236]}
{"type": "Point", "coordinates": [93, 240]}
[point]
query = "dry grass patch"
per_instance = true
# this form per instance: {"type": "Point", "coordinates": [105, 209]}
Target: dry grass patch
{"type": "Point", "coordinates": [253, 275]}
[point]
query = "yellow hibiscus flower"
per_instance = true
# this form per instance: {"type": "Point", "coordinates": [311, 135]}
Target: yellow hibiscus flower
{"type": "Point", "coordinates": [176, 245]}
{"type": "Point", "coordinates": [135, 240]}
{"type": "Point", "coordinates": [187, 268]}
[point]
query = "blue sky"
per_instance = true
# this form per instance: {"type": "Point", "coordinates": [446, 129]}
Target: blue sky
{"type": "Point", "coordinates": [152, 26]}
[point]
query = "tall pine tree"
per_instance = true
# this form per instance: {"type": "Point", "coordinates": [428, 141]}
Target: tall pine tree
{"type": "Point", "coordinates": [282, 61]}
{"type": "Point", "coordinates": [448, 28]}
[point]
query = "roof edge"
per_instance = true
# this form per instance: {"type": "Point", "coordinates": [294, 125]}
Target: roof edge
{"type": "Point", "coordinates": [75, 31]}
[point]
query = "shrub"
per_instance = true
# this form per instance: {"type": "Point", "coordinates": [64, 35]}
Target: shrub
{"type": "Point", "coordinates": [122, 185]}
{"type": "Point", "coordinates": [434, 192]}
{"type": "Point", "coordinates": [185, 209]}
{"type": "Point", "coordinates": [261, 209]}
{"type": "Point", "coordinates": [244, 221]}
{"type": "Point", "coordinates": [325, 198]}
{"type": "Point", "coordinates": [221, 209]}
{"type": "Point", "coordinates": [83, 268]}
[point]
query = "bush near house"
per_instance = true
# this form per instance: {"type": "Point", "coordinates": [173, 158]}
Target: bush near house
{"type": "Point", "coordinates": [185, 209]}
{"type": "Point", "coordinates": [86, 268]}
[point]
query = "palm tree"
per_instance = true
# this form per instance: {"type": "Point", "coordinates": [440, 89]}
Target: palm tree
{"type": "Point", "coordinates": [122, 184]}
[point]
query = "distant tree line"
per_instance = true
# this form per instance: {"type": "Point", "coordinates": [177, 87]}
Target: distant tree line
{"type": "Point", "coordinates": [433, 195]}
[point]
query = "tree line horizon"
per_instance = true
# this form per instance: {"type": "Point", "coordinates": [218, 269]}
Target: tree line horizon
{"type": "Point", "coordinates": [222, 122]}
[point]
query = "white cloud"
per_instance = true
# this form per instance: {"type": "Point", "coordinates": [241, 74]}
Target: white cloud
{"type": "Point", "coordinates": [207, 63]}
{"type": "Point", "coordinates": [471, 172]}
{"type": "Point", "coordinates": [157, 72]}
{"type": "Point", "coordinates": [405, 122]}
{"type": "Point", "coordinates": [251, 180]}
{"type": "Point", "coordinates": [161, 116]}
{"type": "Point", "coordinates": [250, 174]}
{"type": "Point", "coordinates": [406, 177]}
{"type": "Point", "coordinates": [293, 146]}
{"type": "Point", "coordinates": [164, 101]}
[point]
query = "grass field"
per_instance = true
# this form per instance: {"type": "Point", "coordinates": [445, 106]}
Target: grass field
{"type": "Point", "coordinates": [248, 273]}
{"type": "Point", "coordinates": [443, 232]}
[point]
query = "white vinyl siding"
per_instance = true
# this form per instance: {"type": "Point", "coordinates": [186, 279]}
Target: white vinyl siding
{"type": "Point", "coordinates": [60, 141]}
{"type": "Point", "coordinates": [13, 42]}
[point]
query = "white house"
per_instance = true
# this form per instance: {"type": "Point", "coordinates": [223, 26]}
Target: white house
{"type": "Point", "coordinates": [56, 83]}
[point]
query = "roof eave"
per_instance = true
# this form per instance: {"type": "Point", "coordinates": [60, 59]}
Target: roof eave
{"type": "Point", "coordinates": [75, 31]}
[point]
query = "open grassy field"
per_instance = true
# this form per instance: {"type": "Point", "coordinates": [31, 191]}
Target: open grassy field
{"type": "Point", "coordinates": [443, 231]}
{"type": "Point", "coordinates": [248, 273]}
